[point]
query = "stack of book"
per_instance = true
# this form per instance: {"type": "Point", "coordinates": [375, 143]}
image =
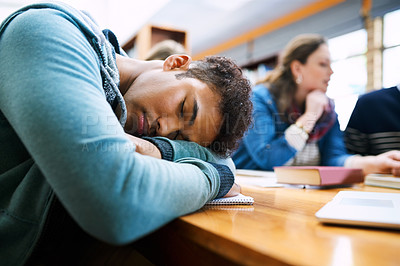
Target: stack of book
{"type": "Point", "coordinates": [382, 180]}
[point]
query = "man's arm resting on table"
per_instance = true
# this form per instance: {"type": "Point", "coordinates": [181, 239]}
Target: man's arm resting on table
{"type": "Point", "coordinates": [164, 148]}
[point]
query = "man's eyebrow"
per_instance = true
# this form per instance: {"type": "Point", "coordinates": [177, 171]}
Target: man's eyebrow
{"type": "Point", "coordinates": [195, 110]}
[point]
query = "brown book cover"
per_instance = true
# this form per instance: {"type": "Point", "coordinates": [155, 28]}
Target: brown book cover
{"type": "Point", "coordinates": [318, 175]}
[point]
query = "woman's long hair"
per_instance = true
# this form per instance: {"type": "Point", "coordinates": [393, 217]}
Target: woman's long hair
{"type": "Point", "coordinates": [280, 80]}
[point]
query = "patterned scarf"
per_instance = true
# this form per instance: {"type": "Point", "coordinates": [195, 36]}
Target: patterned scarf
{"type": "Point", "coordinates": [323, 124]}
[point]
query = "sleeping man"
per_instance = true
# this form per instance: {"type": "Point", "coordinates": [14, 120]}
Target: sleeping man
{"type": "Point", "coordinates": [96, 145]}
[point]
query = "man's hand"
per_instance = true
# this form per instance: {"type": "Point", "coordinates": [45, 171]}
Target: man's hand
{"type": "Point", "coordinates": [145, 147]}
{"type": "Point", "coordinates": [389, 162]}
{"type": "Point", "coordinates": [384, 163]}
{"type": "Point", "coordinates": [234, 191]}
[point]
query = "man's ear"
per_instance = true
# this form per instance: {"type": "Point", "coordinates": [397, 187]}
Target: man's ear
{"type": "Point", "coordinates": [177, 61]}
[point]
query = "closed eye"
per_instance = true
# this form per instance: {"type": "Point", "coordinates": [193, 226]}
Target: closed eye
{"type": "Point", "coordinates": [182, 108]}
{"type": "Point", "coordinates": [176, 135]}
{"type": "Point", "coordinates": [180, 136]}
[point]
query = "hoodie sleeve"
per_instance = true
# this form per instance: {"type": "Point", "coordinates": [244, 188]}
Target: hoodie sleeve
{"type": "Point", "coordinates": [51, 94]}
{"type": "Point", "coordinates": [173, 150]}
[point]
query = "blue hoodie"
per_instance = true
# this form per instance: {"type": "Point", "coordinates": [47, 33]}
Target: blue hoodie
{"type": "Point", "coordinates": [60, 139]}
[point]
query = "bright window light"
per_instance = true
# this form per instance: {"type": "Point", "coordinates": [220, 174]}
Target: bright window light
{"type": "Point", "coordinates": [349, 79]}
{"type": "Point", "coordinates": [391, 54]}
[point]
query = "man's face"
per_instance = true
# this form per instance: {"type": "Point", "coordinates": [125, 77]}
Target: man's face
{"type": "Point", "coordinates": [159, 104]}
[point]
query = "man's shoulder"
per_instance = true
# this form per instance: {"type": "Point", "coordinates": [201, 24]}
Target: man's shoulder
{"type": "Point", "coordinates": [379, 95]}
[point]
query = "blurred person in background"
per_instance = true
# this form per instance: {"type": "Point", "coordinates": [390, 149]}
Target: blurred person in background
{"type": "Point", "coordinates": [163, 49]}
{"type": "Point", "coordinates": [295, 123]}
{"type": "Point", "coordinates": [374, 125]}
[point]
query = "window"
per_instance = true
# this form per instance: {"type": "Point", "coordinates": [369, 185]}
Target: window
{"type": "Point", "coordinates": [391, 52]}
{"type": "Point", "coordinates": [349, 79]}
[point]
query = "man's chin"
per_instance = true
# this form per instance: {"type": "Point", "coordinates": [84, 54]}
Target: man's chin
{"type": "Point", "coordinates": [133, 132]}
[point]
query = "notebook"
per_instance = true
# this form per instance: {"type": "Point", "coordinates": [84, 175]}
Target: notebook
{"type": "Point", "coordinates": [372, 209]}
{"type": "Point", "coordinates": [240, 199]}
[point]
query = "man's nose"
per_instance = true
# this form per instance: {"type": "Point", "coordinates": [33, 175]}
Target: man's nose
{"type": "Point", "coordinates": [168, 125]}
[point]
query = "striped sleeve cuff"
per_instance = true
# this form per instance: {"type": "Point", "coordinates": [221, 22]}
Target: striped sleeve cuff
{"type": "Point", "coordinates": [226, 179]}
{"type": "Point", "coordinates": [166, 149]}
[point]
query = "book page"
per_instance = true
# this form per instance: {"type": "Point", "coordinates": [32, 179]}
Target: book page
{"type": "Point", "coordinates": [256, 178]}
{"type": "Point", "coordinates": [236, 200]}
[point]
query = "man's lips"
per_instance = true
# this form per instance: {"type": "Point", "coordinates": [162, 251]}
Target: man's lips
{"type": "Point", "coordinates": [142, 127]}
{"type": "Point", "coordinates": [145, 126]}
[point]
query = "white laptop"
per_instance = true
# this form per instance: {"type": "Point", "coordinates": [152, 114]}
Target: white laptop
{"type": "Point", "coordinates": [357, 208]}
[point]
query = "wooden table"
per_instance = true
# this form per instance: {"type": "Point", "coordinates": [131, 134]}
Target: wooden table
{"type": "Point", "coordinates": [279, 229]}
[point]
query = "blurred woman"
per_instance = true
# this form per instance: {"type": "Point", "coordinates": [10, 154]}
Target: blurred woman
{"type": "Point", "coordinates": [295, 122]}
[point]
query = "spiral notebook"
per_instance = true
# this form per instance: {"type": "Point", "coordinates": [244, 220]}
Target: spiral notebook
{"type": "Point", "coordinates": [236, 200]}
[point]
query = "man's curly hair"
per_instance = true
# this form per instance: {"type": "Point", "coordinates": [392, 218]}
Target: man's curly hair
{"type": "Point", "coordinates": [226, 78]}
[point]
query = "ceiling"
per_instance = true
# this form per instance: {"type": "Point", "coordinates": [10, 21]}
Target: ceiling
{"type": "Point", "coordinates": [208, 22]}
{"type": "Point", "coordinates": [211, 22]}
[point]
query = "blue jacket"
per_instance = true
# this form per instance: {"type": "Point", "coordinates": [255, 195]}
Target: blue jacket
{"type": "Point", "coordinates": [264, 145]}
{"type": "Point", "coordinates": [60, 138]}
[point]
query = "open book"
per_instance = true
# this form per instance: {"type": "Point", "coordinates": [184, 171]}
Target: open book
{"type": "Point", "coordinates": [236, 200]}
